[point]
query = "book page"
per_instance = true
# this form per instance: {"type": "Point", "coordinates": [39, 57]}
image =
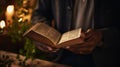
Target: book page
{"type": "Point", "coordinates": [70, 35]}
{"type": "Point", "coordinates": [48, 32]}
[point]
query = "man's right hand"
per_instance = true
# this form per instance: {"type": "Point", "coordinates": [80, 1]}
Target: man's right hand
{"type": "Point", "coordinates": [45, 48]}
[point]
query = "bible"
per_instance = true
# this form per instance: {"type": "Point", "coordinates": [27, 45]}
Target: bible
{"type": "Point", "coordinates": [47, 35]}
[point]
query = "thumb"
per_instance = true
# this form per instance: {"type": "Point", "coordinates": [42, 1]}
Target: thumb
{"type": "Point", "coordinates": [82, 35]}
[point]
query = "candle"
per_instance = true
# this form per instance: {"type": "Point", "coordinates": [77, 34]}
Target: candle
{"type": "Point", "coordinates": [2, 24]}
{"type": "Point", "coordinates": [9, 14]}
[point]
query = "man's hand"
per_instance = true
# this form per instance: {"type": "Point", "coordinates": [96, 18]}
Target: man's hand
{"type": "Point", "coordinates": [45, 48]}
{"type": "Point", "coordinates": [91, 38]}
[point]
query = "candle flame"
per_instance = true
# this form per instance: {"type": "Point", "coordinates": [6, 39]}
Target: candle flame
{"type": "Point", "coordinates": [2, 24]}
{"type": "Point", "coordinates": [10, 9]}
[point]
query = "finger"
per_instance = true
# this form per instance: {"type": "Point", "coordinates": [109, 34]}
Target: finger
{"type": "Point", "coordinates": [55, 50]}
{"type": "Point", "coordinates": [82, 35]}
{"type": "Point", "coordinates": [86, 49]}
{"type": "Point", "coordinates": [70, 48]}
{"type": "Point", "coordinates": [96, 38]}
{"type": "Point", "coordinates": [75, 46]}
{"type": "Point", "coordinates": [87, 44]}
{"type": "Point", "coordinates": [89, 30]}
{"type": "Point", "coordinates": [90, 41]}
{"type": "Point", "coordinates": [46, 47]}
{"type": "Point", "coordinates": [80, 51]}
{"type": "Point", "coordinates": [67, 47]}
{"type": "Point", "coordinates": [89, 33]}
{"type": "Point", "coordinates": [42, 49]}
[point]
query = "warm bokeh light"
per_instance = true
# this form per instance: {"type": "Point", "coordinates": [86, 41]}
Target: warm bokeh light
{"type": "Point", "coordinates": [9, 14]}
{"type": "Point", "coordinates": [2, 24]}
{"type": "Point", "coordinates": [20, 20]}
{"type": "Point", "coordinates": [10, 9]}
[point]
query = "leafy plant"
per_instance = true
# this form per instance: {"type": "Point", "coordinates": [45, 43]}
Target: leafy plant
{"type": "Point", "coordinates": [17, 28]}
{"type": "Point", "coordinates": [15, 31]}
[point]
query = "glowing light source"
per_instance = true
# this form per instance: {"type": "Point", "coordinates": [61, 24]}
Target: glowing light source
{"type": "Point", "coordinates": [2, 24]}
{"type": "Point", "coordinates": [10, 9]}
{"type": "Point", "coordinates": [20, 20]}
{"type": "Point", "coordinates": [9, 14]}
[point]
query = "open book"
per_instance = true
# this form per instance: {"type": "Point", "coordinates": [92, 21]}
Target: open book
{"type": "Point", "coordinates": [47, 35]}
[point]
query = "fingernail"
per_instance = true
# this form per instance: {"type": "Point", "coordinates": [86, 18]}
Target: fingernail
{"type": "Point", "coordinates": [49, 48]}
{"type": "Point", "coordinates": [68, 47]}
{"type": "Point", "coordinates": [88, 30]}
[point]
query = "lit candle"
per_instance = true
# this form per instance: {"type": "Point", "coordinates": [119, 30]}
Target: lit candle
{"type": "Point", "coordinates": [2, 24]}
{"type": "Point", "coordinates": [9, 14]}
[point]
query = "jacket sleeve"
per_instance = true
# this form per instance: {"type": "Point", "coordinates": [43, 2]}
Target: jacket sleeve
{"type": "Point", "coordinates": [111, 38]}
{"type": "Point", "coordinates": [42, 12]}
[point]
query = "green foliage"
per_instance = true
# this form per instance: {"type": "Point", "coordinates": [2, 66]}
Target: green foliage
{"type": "Point", "coordinates": [29, 49]}
{"type": "Point", "coordinates": [15, 31]}
{"type": "Point", "coordinates": [17, 28]}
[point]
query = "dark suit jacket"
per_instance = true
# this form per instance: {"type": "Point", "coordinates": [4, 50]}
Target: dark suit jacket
{"type": "Point", "coordinates": [107, 15]}
{"type": "Point", "coordinates": [105, 18]}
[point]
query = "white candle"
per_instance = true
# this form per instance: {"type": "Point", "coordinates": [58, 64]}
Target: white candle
{"type": "Point", "coordinates": [9, 14]}
{"type": "Point", "coordinates": [2, 24]}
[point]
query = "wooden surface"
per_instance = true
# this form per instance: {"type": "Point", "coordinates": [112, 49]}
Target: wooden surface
{"type": "Point", "coordinates": [29, 62]}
